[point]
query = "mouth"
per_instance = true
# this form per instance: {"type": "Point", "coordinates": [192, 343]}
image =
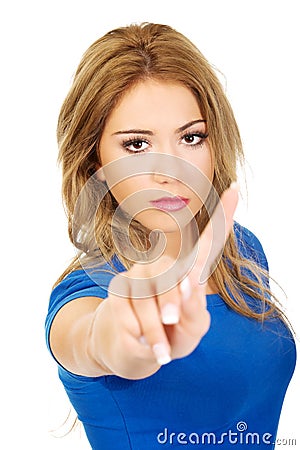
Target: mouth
{"type": "Point", "coordinates": [170, 203]}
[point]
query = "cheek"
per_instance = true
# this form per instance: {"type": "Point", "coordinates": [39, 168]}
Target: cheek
{"type": "Point", "coordinates": [204, 161]}
{"type": "Point", "coordinates": [205, 164]}
{"type": "Point", "coordinates": [129, 195]}
{"type": "Point", "coordinates": [208, 163]}
{"type": "Point", "coordinates": [120, 192]}
{"type": "Point", "coordinates": [211, 164]}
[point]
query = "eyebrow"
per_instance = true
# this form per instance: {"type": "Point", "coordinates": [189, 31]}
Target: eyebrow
{"type": "Point", "coordinates": [150, 133]}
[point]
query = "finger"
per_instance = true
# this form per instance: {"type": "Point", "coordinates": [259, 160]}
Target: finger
{"type": "Point", "coordinates": [166, 292]}
{"type": "Point", "coordinates": [169, 306]}
{"type": "Point", "coordinates": [215, 234]}
{"type": "Point", "coordinates": [152, 331]}
{"type": "Point", "coordinates": [193, 300]}
{"type": "Point", "coordinates": [194, 320]}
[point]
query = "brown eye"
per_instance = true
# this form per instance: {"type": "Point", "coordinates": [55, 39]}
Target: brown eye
{"type": "Point", "coordinates": [189, 138]}
{"type": "Point", "coordinates": [135, 145]}
{"type": "Point", "coordinates": [194, 139]}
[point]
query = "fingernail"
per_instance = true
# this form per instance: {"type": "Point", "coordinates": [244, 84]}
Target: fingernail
{"type": "Point", "coordinates": [185, 289]}
{"type": "Point", "coordinates": [170, 314]}
{"type": "Point", "coordinates": [161, 354]}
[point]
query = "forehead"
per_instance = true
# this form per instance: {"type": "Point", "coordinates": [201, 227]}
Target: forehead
{"type": "Point", "coordinates": [155, 102]}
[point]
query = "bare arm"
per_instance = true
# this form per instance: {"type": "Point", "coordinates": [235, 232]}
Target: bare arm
{"type": "Point", "coordinates": [132, 337]}
{"type": "Point", "coordinates": [70, 337]}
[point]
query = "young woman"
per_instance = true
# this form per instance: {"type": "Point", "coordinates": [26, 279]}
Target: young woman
{"type": "Point", "coordinates": [164, 326]}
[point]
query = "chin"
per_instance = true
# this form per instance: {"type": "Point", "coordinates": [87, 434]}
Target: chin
{"type": "Point", "coordinates": [161, 221]}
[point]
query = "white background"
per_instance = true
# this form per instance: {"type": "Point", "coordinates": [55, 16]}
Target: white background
{"type": "Point", "coordinates": [255, 44]}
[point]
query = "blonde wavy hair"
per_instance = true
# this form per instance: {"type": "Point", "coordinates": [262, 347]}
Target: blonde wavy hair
{"type": "Point", "coordinates": [112, 65]}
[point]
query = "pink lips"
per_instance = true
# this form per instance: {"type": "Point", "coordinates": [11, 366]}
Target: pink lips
{"type": "Point", "coordinates": [170, 203]}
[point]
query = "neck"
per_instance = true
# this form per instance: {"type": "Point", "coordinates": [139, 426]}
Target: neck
{"type": "Point", "coordinates": [181, 245]}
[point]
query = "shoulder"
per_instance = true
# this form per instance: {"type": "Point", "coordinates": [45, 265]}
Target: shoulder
{"type": "Point", "coordinates": [91, 282]}
{"type": "Point", "coordinates": [94, 280]}
{"type": "Point", "coordinates": [249, 246]}
{"type": "Point", "coordinates": [78, 284]}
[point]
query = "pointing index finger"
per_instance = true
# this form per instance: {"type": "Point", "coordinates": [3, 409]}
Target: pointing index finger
{"type": "Point", "coordinates": [215, 234]}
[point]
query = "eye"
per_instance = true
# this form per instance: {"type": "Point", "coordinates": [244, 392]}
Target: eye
{"type": "Point", "coordinates": [194, 139]}
{"type": "Point", "coordinates": [135, 145]}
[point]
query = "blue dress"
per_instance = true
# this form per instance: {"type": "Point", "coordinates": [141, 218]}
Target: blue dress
{"type": "Point", "coordinates": [227, 393]}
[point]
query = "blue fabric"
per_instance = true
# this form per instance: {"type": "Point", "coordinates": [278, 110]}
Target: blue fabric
{"type": "Point", "coordinates": [228, 393]}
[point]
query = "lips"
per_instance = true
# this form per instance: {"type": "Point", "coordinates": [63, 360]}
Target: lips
{"type": "Point", "coordinates": [170, 203]}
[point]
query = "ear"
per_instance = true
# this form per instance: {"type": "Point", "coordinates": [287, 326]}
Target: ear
{"type": "Point", "coordinates": [100, 173]}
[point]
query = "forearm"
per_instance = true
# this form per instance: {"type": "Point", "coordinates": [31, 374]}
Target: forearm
{"type": "Point", "coordinates": [70, 338]}
{"type": "Point", "coordinates": [86, 360]}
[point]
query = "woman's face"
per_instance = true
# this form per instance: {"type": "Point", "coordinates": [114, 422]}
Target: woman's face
{"type": "Point", "coordinates": [160, 119]}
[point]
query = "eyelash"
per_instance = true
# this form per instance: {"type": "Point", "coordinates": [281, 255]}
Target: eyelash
{"type": "Point", "coordinates": [138, 139]}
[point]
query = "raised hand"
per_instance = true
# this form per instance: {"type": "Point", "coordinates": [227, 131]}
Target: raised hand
{"type": "Point", "coordinates": [132, 336]}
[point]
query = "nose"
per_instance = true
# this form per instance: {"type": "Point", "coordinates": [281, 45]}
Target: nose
{"type": "Point", "coordinates": [161, 178]}
{"type": "Point", "coordinates": [166, 168]}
